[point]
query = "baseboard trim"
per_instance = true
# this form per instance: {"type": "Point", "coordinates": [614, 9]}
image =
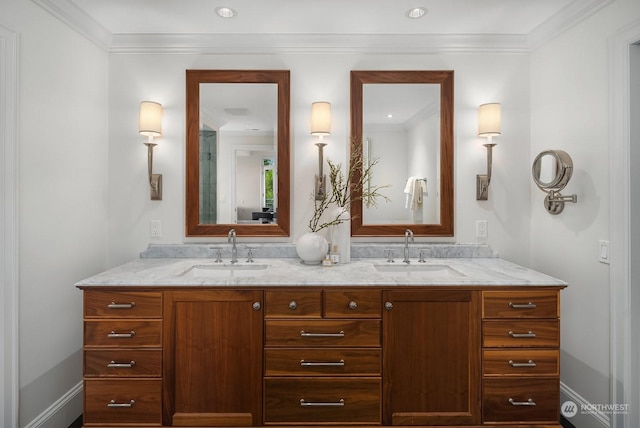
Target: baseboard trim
{"type": "Point", "coordinates": [600, 418]}
{"type": "Point", "coordinates": [61, 409]}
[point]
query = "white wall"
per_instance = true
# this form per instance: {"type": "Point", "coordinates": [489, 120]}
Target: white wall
{"type": "Point", "coordinates": [62, 197]}
{"type": "Point", "coordinates": [569, 111]}
{"type": "Point", "coordinates": [161, 77]}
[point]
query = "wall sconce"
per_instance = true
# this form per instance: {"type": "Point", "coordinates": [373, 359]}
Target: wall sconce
{"type": "Point", "coordinates": [489, 127]}
{"type": "Point", "coordinates": [151, 126]}
{"type": "Point", "coordinates": [320, 126]}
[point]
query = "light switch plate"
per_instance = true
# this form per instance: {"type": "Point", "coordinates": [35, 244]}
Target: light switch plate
{"type": "Point", "coordinates": [603, 252]}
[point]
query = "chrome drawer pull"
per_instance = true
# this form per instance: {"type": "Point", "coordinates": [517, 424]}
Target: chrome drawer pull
{"type": "Point", "coordinates": [114, 305]}
{"type": "Point", "coordinates": [321, 403]}
{"type": "Point", "coordinates": [530, 334]}
{"type": "Point", "coordinates": [114, 335]}
{"type": "Point", "coordinates": [305, 334]}
{"type": "Point", "coordinates": [114, 365]}
{"type": "Point", "coordinates": [522, 305]}
{"type": "Point", "coordinates": [529, 402]}
{"type": "Point", "coordinates": [304, 363]}
{"type": "Point", "coordinates": [113, 403]}
{"type": "Point", "coordinates": [530, 363]}
{"type": "Point", "coordinates": [353, 305]}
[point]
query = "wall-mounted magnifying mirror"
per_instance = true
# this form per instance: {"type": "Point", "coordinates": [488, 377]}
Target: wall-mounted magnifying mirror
{"type": "Point", "coordinates": [404, 119]}
{"type": "Point", "coordinates": [237, 152]}
{"type": "Point", "coordinates": [551, 171]}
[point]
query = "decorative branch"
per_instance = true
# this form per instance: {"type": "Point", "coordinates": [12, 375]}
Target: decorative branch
{"type": "Point", "coordinates": [343, 186]}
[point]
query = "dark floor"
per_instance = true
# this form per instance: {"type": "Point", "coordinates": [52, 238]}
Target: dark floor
{"type": "Point", "coordinates": [77, 423]}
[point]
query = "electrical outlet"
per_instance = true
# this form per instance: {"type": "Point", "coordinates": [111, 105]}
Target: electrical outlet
{"type": "Point", "coordinates": [482, 229]}
{"type": "Point", "coordinates": [156, 228]}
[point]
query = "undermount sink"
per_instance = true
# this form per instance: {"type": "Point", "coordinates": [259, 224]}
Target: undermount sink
{"type": "Point", "coordinates": [225, 270]}
{"type": "Point", "coordinates": [419, 270]}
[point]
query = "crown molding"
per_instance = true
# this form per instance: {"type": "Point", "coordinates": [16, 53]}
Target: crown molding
{"type": "Point", "coordinates": [67, 12]}
{"type": "Point", "coordinates": [572, 14]}
{"type": "Point", "coordinates": [316, 43]}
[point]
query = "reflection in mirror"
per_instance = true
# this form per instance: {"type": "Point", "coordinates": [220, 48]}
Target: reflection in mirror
{"type": "Point", "coordinates": [405, 120]}
{"type": "Point", "coordinates": [401, 126]}
{"type": "Point", "coordinates": [237, 152]}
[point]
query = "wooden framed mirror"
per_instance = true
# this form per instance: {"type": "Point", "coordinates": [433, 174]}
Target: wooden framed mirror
{"type": "Point", "coordinates": [237, 152]}
{"type": "Point", "coordinates": [404, 119]}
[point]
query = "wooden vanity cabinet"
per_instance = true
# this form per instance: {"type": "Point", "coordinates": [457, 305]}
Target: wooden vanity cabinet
{"type": "Point", "coordinates": [521, 361]}
{"type": "Point", "coordinates": [431, 357]}
{"type": "Point", "coordinates": [122, 358]}
{"type": "Point", "coordinates": [322, 357]}
{"type": "Point", "coordinates": [213, 358]}
{"type": "Point", "coordinates": [332, 356]}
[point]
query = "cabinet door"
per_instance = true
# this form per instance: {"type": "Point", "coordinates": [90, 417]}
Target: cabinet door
{"type": "Point", "coordinates": [213, 358]}
{"type": "Point", "coordinates": [431, 357]}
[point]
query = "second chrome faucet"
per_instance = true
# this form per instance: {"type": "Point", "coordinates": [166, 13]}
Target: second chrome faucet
{"type": "Point", "coordinates": [408, 235]}
{"type": "Point", "coordinates": [231, 238]}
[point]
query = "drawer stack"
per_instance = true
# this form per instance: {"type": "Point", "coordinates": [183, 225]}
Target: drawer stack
{"type": "Point", "coordinates": [122, 358]}
{"type": "Point", "coordinates": [520, 356]}
{"type": "Point", "coordinates": [322, 356]}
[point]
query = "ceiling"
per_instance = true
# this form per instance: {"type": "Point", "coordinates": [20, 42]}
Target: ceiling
{"type": "Point", "coordinates": [161, 25]}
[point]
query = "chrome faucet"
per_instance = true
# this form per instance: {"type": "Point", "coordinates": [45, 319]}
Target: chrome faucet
{"type": "Point", "coordinates": [231, 237]}
{"type": "Point", "coordinates": [408, 234]}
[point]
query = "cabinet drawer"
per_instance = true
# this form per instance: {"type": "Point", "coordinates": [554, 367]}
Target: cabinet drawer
{"type": "Point", "coordinates": [322, 362]}
{"type": "Point", "coordinates": [123, 333]}
{"type": "Point", "coordinates": [520, 304]}
{"type": "Point", "coordinates": [122, 401]}
{"type": "Point", "coordinates": [520, 362]}
{"type": "Point", "coordinates": [322, 333]}
{"type": "Point", "coordinates": [527, 333]}
{"type": "Point", "coordinates": [285, 304]}
{"type": "Point", "coordinates": [123, 363]}
{"type": "Point", "coordinates": [306, 400]}
{"type": "Point", "coordinates": [506, 400]}
{"type": "Point", "coordinates": [352, 304]}
{"type": "Point", "coordinates": [122, 304]}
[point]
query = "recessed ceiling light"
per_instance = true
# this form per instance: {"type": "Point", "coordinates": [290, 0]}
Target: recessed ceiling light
{"type": "Point", "coordinates": [416, 12]}
{"type": "Point", "coordinates": [225, 12]}
{"type": "Point", "coordinates": [389, 116]}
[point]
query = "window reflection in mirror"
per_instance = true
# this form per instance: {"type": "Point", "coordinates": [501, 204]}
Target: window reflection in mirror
{"type": "Point", "coordinates": [237, 152]}
{"type": "Point", "coordinates": [404, 119]}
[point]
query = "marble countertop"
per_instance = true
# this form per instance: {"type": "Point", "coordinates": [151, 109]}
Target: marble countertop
{"type": "Point", "coordinates": [264, 272]}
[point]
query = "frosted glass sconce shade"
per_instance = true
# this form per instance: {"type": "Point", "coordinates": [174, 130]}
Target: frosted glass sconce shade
{"type": "Point", "coordinates": [321, 118]}
{"type": "Point", "coordinates": [150, 119]}
{"type": "Point", "coordinates": [489, 120]}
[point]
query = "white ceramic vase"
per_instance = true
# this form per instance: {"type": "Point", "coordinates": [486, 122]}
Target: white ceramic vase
{"type": "Point", "coordinates": [312, 248]}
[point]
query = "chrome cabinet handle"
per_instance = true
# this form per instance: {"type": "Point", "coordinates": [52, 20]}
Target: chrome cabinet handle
{"type": "Point", "coordinates": [529, 334]}
{"type": "Point", "coordinates": [304, 363]}
{"type": "Point", "coordinates": [353, 305]}
{"type": "Point", "coordinates": [114, 335]}
{"type": "Point", "coordinates": [256, 306]}
{"type": "Point", "coordinates": [114, 365]}
{"type": "Point", "coordinates": [529, 402]}
{"type": "Point", "coordinates": [113, 403]}
{"type": "Point", "coordinates": [321, 403]}
{"type": "Point", "coordinates": [388, 306]}
{"type": "Point", "coordinates": [293, 305]}
{"type": "Point", "coordinates": [114, 305]}
{"type": "Point", "coordinates": [522, 305]}
{"type": "Point", "coordinates": [530, 363]}
{"type": "Point", "coordinates": [306, 334]}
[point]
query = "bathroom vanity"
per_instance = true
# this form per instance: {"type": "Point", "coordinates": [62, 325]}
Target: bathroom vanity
{"type": "Point", "coordinates": [450, 342]}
